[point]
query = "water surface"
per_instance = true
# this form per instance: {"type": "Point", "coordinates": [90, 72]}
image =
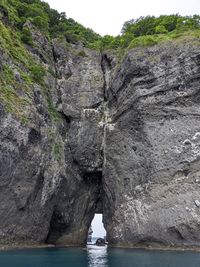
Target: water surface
{"type": "Point", "coordinates": [97, 257]}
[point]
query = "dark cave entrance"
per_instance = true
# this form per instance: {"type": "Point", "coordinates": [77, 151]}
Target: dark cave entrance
{"type": "Point", "coordinates": [71, 220]}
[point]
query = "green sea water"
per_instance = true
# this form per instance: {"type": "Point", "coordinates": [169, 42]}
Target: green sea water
{"type": "Point", "coordinates": [97, 257]}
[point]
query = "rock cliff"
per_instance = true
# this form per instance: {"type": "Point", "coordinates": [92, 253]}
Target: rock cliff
{"type": "Point", "coordinates": [97, 134]}
{"type": "Point", "coordinates": [152, 147]}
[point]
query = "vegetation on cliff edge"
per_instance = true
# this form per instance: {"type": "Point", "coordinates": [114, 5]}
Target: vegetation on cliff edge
{"type": "Point", "coordinates": [143, 31]}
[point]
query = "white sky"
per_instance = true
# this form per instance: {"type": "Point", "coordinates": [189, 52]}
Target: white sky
{"type": "Point", "coordinates": [97, 226]}
{"type": "Point", "coordinates": [108, 16]}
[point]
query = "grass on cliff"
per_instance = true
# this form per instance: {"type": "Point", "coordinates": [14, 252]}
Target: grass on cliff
{"type": "Point", "coordinates": [13, 101]}
{"type": "Point", "coordinates": [17, 57]}
{"type": "Point", "coordinates": [16, 95]}
{"type": "Point", "coordinates": [11, 44]}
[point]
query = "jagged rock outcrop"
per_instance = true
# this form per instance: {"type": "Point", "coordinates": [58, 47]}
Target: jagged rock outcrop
{"type": "Point", "coordinates": [50, 188]}
{"type": "Point", "coordinates": [80, 88]}
{"type": "Point", "coordinates": [96, 135]}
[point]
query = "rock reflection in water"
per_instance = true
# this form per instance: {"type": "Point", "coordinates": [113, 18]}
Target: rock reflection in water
{"type": "Point", "coordinates": [97, 256]}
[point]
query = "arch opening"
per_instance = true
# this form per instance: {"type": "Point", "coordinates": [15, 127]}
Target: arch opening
{"type": "Point", "coordinates": [96, 230]}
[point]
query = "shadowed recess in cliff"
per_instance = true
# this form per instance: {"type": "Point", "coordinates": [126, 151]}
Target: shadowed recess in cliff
{"type": "Point", "coordinates": [72, 230]}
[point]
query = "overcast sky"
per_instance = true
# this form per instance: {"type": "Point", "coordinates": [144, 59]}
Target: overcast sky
{"type": "Point", "coordinates": [108, 16]}
{"type": "Point", "coordinates": [97, 226]}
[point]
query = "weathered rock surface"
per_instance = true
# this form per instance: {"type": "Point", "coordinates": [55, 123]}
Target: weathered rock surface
{"type": "Point", "coordinates": [50, 188]}
{"type": "Point", "coordinates": [152, 148]}
{"type": "Point", "coordinates": [119, 139]}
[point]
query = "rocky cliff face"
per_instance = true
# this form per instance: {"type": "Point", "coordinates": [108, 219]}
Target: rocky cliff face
{"type": "Point", "coordinates": [99, 136]}
{"type": "Point", "coordinates": [152, 148]}
{"type": "Point", "coordinates": [51, 147]}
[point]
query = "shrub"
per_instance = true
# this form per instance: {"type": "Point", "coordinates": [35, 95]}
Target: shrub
{"type": "Point", "coordinates": [82, 53]}
{"type": "Point", "coordinates": [160, 29]}
{"type": "Point", "coordinates": [41, 22]}
{"type": "Point", "coordinates": [143, 41]}
{"type": "Point", "coordinates": [26, 36]}
{"type": "Point", "coordinates": [38, 73]}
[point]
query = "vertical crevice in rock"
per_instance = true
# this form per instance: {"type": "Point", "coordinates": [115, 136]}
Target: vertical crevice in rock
{"type": "Point", "coordinates": [106, 70]}
{"type": "Point", "coordinates": [106, 66]}
{"type": "Point", "coordinates": [55, 62]}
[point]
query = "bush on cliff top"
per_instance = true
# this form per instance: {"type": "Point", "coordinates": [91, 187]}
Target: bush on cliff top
{"type": "Point", "coordinates": [149, 30]}
{"type": "Point", "coordinates": [135, 32]}
{"type": "Point", "coordinates": [47, 20]}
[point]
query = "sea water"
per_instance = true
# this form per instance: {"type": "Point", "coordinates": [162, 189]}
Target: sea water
{"type": "Point", "coordinates": [94, 256]}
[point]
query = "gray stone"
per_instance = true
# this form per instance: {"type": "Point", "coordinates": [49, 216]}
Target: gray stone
{"type": "Point", "coordinates": [153, 105]}
{"type": "Point", "coordinates": [120, 139]}
{"type": "Point", "coordinates": [197, 203]}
